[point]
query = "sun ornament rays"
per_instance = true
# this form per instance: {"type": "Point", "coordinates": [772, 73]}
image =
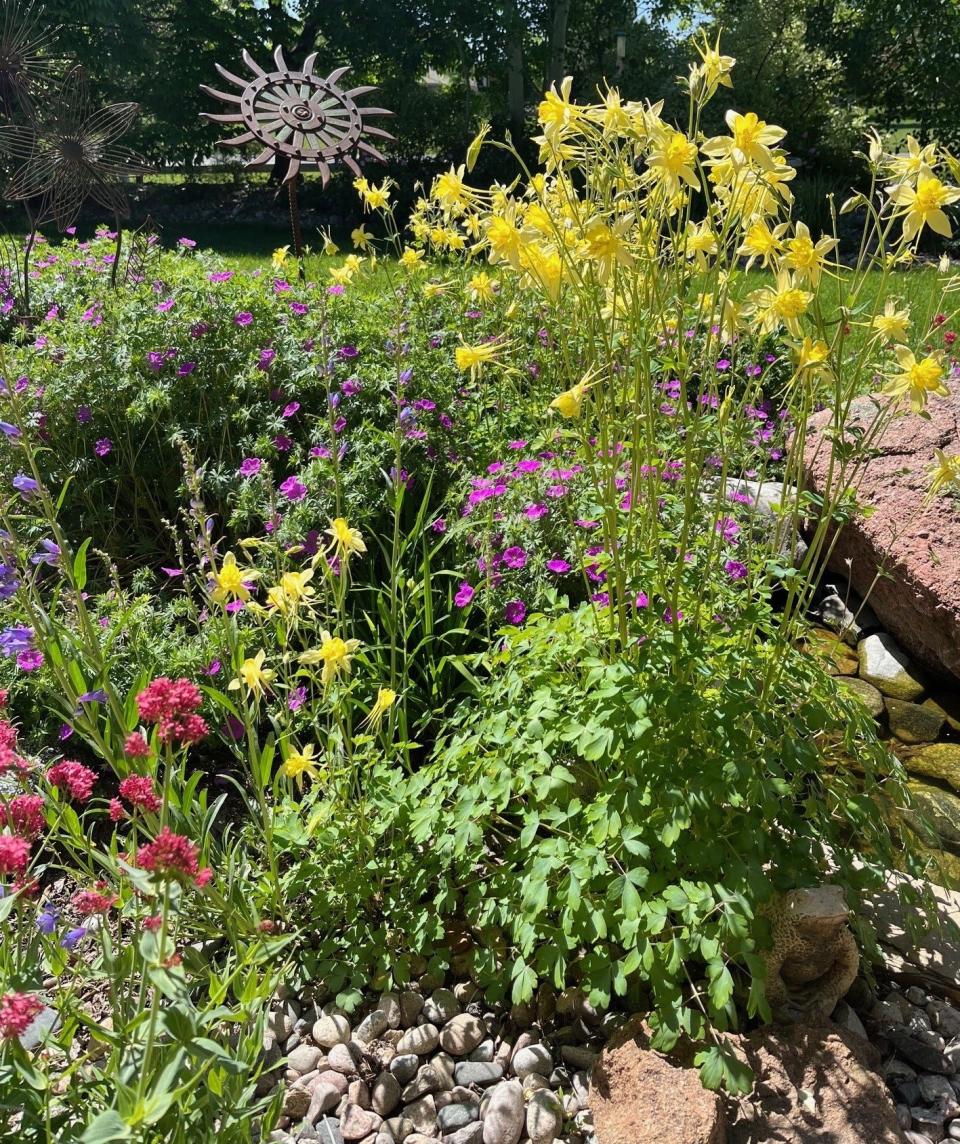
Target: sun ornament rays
{"type": "Point", "coordinates": [305, 117]}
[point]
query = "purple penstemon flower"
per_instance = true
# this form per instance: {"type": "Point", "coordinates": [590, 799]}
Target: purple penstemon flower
{"type": "Point", "coordinates": [9, 430]}
{"type": "Point", "coordinates": [25, 486]}
{"type": "Point", "coordinates": [49, 554]}
{"type": "Point", "coordinates": [73, 937]}
{"type": "Point", "coordinates": [47, 921]}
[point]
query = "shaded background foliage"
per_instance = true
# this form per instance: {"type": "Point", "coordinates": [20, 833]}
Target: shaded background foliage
{"type": "Point", "coordinates": [820, 68]}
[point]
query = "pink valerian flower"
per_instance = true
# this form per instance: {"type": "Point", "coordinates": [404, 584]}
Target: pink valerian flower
{"type": "Point", "coordinates": [73, 777]}
{"type": "Point", "coordinates": [14, 854]}
{"type": "Point", "coordinates": [172, 705]}
{"type": "Point", "coordinates": [138, 791]}
{"type": "Point", "coordinates": [17, 1013]}
{"type": "Point", "coordinates": [135, 746]}
{"type": "Point", "coordinates": [87, 902]}
{"type": "Point", "coordinates": [117, 811]}
{"type": "Point", "coordinates": [23, 815]}
{"type": "Point", "coordinates": [152, 924]}
{"type": "Point", "coordinates": [172, 856]}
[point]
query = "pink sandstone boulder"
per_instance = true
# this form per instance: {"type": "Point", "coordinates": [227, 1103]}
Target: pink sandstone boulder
{"type": "Point", "coordinates": [917, 545]}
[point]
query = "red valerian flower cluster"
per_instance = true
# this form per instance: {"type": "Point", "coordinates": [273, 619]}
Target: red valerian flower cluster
{"type": "Point", "coordinates": [87, 902]}
{"type": "Point", "coordinates": [73, 777]}
{"type": "Point", "coordinates": [172, 705]}
{"type": "Point", "coordinates": [24, 815]}
{"type": "Point", "coordinates": [9, 759]}
{"type": "Point", "coordinates": [173, 856]}
{"type": "Point", "coordinates": [136, 746]}
{"type": "Point", "coordinates": [138, 791]}
{"type": "Point", "coordinates": [17, 1011]}
{"type": "Point", "coordinates": [14, 855]}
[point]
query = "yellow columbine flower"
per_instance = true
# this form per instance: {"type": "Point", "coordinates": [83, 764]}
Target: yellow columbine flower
{"type": "Point", "coordinates": [892, 324]}
{"type": "Point", "coordinates": [293, 590]}
{"type": "Point", "coordinates": [804, 257]}
{"type": "Point", "coordinates": [672, 160]}
{"type": "Point", "coordinates": [347, 540]}
{"type": "Point", "coordinates": [917, 379]}
{"type": "Point", "coordinates": [374, 198]}
{"type": "Point", "coordinates": [714, 68]}
{"type": "Point", "coordinates": [386, 697]}
{"type": "Point", "coordinates": [330, 248]}
{"type": "Point", "coordinates": [450, 191]}
{"type": "Point", "coordinates": [813, 356]}
{"type": "Point", "coordinates": [253, 675]}
{"type": "Point", "coordinates": [605, 245]}
{"type": "Point", "coordinates": [360, 237]}
{"type": "Point", "coordinates": [556, 114]}
{"type": "Point", "coordinates": [229, 581]}
{"type": "Point", "coordinates": [334, 653]}
{"type": "Point", "coordinates": [412, 259]}
{"type": "Point", "coordinates": [482, 287]}
{"type": "Point", "coordinates": [782, 304]}
{"type": "Point", "coordinates": [945, 472]}
{"type": "Point", "coordinates": [505, 241]}
{"type": "Point", "coordinates": [280, 256]}
{"type": "Point", "coordinates": [474, 358]}
{"type": "Point", "coordinates": [570, 404]}
{"type": "Point", "coordinates": [761, 242]}
{"type": "Point", "coordinates": [300, 763]}
{"type": "Point", "coordinates": [750, 141]}
{"type": "Point", "coordinates": [910, 165]}
{"type": "Point", "coordinates": [923, 204]}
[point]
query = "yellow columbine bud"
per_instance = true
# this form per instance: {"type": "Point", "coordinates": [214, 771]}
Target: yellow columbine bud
{"type": "Point", "coordinates": [386, 697]}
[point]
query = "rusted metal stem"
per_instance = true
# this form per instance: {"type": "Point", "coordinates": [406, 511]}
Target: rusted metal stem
{"type": "Point", "coordinates": [295, 220]}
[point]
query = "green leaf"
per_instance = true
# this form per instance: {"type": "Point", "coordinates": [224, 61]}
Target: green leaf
{"type": "Point", "coordinates": [720, 1068]}
{"type": "Point", "coordinates": [80, 565]}
{"type": "Point", "coordinates": [109, 1125]}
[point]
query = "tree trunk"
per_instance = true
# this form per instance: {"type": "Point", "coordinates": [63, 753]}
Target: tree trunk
{"type": "Point", "coordinates": [515, 104]}
{"type": "Point", "coordinates": [558, 42]}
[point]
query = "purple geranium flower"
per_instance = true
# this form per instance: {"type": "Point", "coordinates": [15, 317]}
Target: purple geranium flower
{"type": "Point", "coordinates": [516, 612]}
{"type": "Point", "coordinates": [244, 318]}
{"type": "Point", "coordinates": [103, 447]}
{"type": "Point", "coordinates": [557, 566]}
{"type": "Point", "coordinates": [186, 367]}
{"type": "Point", "coordinates": [735, 570]}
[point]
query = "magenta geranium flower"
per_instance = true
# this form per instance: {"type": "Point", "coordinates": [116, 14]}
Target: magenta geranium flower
{"type": "Point", "coordinates": [516, 612]}
{"type": "Point", "coordinates": [515, 556]}
{"type": "Point", "coordinates": [250, 466]}
{"type": "Point", "coordinates": [293, 489]}
{"type": "Point", "coordinates": [244, 318]}
{"type": "Point", "coordinates": [464, 595]}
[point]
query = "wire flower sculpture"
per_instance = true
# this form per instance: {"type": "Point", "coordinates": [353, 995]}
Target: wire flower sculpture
{"type": "Point", "coordinates": [69, 154]}
{"type": "Point", "coordinates": [26, 65]}
{"type": "Point", "coordinates": [305, 117]}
